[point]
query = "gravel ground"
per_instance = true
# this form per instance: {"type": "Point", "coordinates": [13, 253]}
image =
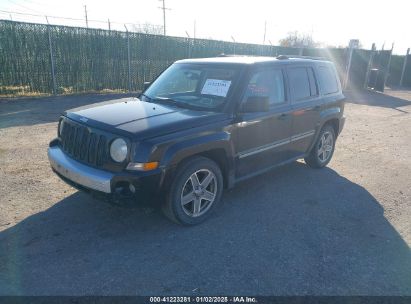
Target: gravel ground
{"type": "Point", "coordinates": [342, 230]}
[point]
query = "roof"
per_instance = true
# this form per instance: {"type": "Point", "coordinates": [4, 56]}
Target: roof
{"type": "Point", "coordinates": [249, 59]}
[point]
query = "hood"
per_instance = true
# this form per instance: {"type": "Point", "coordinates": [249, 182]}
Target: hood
{"type": "Point", "coordinates": [130, 116]}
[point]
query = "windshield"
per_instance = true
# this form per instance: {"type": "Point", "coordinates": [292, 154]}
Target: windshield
{"type": "Point", "coordinates": [189, 85]}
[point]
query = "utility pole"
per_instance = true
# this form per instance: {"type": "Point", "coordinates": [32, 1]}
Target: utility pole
{"type": "Point", "coordinates": [164, 8]}
{"type": "Point", "coordinates": [128, 59]}
{"type": "Point", "coordinates": [85, 13]}
{"type": "Point", "coordinates": [194, 36]}
{"type": "Point", "coordinates": [109, 25]}
{"type": "Point", "coordinates": [53, 75]}
{"type": "Point", "coordinates": [265, 31]}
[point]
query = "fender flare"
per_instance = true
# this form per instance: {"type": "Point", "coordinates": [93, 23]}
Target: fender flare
{"type": "Point", "coordinates": [326, 116]}
{"type": "Point", "coordinates": [184, 149]}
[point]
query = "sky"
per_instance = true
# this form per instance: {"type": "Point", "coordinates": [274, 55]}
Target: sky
{"type": "Point", "coordinates": [329, 22]}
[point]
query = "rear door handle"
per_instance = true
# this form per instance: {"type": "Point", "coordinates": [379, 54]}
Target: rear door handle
{"type": "Point", "coordinates": [317, 108]}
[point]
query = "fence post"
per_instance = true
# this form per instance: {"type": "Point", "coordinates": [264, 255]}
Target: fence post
{"type": "Point", "coordinates": [128, 59]}
{"type": "Point", "coordinates": [387, 71]}
{"type": "Point", "coordinates": [370, 63]}
{"type": "Point", "coordinates": [234, 44]}
{"type": "Point", "coordinates": [403, 67]}
{"type": "Point", "coordinates": [51, 58]}
{"type": "Point", "coordinates": [188, 45]}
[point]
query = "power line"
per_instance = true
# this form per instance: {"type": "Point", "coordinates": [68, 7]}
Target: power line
{"type": "Point", "coordinates": [71, 18]}
{"type": "Point", "coordinates": [23, 7]}
{"type": "Point", "coordinates": [37, 15]}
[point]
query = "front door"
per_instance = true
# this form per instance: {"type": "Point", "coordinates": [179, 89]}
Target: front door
{"type": "Point", "coordinates": [263, 137]}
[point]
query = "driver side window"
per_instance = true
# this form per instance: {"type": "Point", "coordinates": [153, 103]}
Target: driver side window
{"type": "Point", "coordinates": [267, 83]}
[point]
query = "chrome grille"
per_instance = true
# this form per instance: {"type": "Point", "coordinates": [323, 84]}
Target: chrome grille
{"type": "Point", "coordinates": [84, 145]}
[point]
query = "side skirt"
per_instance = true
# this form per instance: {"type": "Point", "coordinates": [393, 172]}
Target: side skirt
{"type": "Point", "coordinates": [253, 174]}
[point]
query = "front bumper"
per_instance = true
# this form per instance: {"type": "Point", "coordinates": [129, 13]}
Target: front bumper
{"type": "Point", "coordinates": [78, 173]}
{"type": "Point", "coordinates": [85, 177]}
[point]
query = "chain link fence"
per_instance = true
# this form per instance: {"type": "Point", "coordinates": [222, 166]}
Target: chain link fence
{"type": "Point", "coordinates": [45, 59]}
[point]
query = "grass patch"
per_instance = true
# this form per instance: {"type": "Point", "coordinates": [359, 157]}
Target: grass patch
{"type": "Point", "coordinates": [19, 91]}
{"type": "Point", "coordinates": [24, 91]}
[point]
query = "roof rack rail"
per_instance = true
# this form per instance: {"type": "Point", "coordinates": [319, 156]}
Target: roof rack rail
{"type": "Point", "coordinates": [231, 55]}
{"type": "Point", "coordinates": [283, 57]}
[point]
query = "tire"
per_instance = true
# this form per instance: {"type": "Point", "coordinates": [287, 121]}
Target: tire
{"type": "Point", "coordinates": [319, 157]}
{"type": "Point", "coordinates": [195, 192]}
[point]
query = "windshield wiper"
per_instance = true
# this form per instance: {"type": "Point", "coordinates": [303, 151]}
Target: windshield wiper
{"type": "Point", "coordinates": [167, 100]}
{"type": "Point", "coordinates": [158, 99]}
{"type": "Point", "coordinates": [148, 98]}
{"type": "Point", "coordinates": [170, 101]}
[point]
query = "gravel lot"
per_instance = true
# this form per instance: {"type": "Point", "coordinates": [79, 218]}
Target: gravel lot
{"type": "Point", "coordinates": [343, 230]}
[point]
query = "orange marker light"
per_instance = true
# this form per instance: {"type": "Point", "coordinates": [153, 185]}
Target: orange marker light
{"type": "Point", "coordinates": [142, 166]}
{"type": "Point", "coordinates": [150, 166]}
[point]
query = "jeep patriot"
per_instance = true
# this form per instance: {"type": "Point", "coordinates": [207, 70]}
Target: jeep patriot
{"type": "Point", "coordinates": [201, 126]}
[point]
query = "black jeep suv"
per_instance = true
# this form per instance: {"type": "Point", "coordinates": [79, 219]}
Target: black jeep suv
{"type": "Point", "coordinates": [201, 126]}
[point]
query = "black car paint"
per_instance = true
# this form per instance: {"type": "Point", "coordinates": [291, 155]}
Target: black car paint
{"type": "Point", "coordinates": [169, 134]}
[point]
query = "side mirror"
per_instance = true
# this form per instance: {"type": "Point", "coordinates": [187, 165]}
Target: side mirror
{"type": "Point", "coordinates": [146, 85]}
{"type": "Point", "coordinates": [256, 104]}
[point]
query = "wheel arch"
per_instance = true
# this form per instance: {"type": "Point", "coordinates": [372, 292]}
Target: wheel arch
{"type": "Point", "coordinates": [218, 150]}
{"type": "Point", "coordinates": [334, 123]}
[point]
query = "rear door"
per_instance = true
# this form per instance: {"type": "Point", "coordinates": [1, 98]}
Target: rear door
{"type": "Point", "coordinates": [263, 137]}
{"type": "Point", "coordinates": [306, 107]}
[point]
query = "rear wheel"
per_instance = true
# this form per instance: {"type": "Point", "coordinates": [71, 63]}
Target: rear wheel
{"type": "Point", "coordinates": [323, 149]}
{"type": "Point", "coordinates": [195, 192]}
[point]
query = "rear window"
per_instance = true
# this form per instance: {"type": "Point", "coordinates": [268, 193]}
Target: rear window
{"type": "Point", "coordinates": [328, 79]}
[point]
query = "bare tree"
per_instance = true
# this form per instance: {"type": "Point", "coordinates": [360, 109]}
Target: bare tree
{"type": "Point", "coordinates": [147, 28]}
{"type": "Point", "coordinates": [298, 40]}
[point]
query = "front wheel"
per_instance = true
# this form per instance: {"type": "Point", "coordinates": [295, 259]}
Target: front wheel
{"type": "Point", "coordinates": [323, 149]}
{"type": "Point", "coordinates": [195, 192]}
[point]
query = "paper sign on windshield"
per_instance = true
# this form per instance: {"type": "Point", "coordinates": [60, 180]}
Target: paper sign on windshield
{"type": "Point", "coordinates": [216, 87]}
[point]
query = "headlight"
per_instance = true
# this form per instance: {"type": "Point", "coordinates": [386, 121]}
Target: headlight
{"type": "Point", "coordinates": [118, 150]}
{"type": "Point", "coordinates": [60, 128]}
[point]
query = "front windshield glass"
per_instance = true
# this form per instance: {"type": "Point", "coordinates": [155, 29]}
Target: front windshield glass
{"type": "Point", "coordinates": [189, 85]}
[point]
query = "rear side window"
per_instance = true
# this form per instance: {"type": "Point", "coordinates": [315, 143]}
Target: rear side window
{"type": "Point", "coordinates": [328, 80]}
{"type": "Point", "coordinates": [302, 83]}
{"type": "Point", "coordinates": [267, 82]}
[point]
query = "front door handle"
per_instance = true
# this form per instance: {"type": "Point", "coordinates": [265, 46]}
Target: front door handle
{"type": "Point", "coordinates": [282, 116]}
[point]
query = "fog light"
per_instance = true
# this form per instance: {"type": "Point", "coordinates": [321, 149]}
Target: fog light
{"type": "Point", "coordinates": [142, 166]}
